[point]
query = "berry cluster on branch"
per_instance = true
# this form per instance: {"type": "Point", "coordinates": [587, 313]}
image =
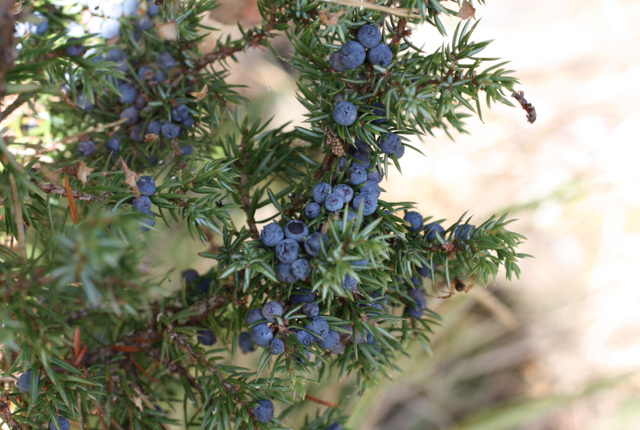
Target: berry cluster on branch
{"type": "Point", "coordinates": [121, 129]}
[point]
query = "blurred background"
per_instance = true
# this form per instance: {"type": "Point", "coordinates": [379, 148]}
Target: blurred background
{"type": "Point", "coordinates": [560, 347]}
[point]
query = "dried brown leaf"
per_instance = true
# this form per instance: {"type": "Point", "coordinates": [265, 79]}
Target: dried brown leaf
{"type": "Point", "coordinates": [83, 171]}
{"type": "Point", "coordinates": [199, 95]}
{"type": "Point", "coordinates": [466, 11]}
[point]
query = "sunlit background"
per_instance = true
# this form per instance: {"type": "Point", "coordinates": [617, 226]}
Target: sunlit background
{"type": "Point", "coordinates": [558, 348]}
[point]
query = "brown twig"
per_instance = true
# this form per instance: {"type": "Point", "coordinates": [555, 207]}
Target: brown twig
{"type": "Point", "coordinates": [57, 189]}
{"type": "Point", "coordinates": [400, 32]}
{"type": "Point", "coordinates": [320, 401]}
{"type": "Point", "coordinates": [19, 101]}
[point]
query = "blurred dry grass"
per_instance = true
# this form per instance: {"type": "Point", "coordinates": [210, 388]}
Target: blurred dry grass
{"type": "Point", "coordinates": [572, 179]}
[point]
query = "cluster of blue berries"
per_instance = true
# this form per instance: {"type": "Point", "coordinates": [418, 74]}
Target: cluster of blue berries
{"type": "Point", "coordinates": [351, 55]}
{"type": "Point", "coordinates": [147, 187]}
{"type": "Point", "coordinates": [136, 99]}
{"type": "Point", "coordinates": [261, 333]}
{"type": "Point", "coordinates": [287, 243]}
{"type": "Point", "coordinates": [368, 46]}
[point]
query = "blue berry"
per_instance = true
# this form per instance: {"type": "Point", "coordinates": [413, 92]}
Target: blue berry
{"type": "Point", "coordinates": [400, 151]}
{"type": "Point", "coordinates": [303, 337]}
{"type": "Point", "coordinates": [130, 7]}
{"type": "Point", "coordinates": [301, 269]}
{"type": "Point", "coordinates": [165, 60]}
{"type": "Point", "coordinates": [312, 210]}
{"type": "Point", "coordinates": [369, 36]}
{"type": "Point", "coordinates": [41, 26]}
{"type": "Point", "coordinates": [362, 159]}
{"type": "Point", "coordinates": [143, 204]}
{"type": "Point", "coordinates": [380, 55]}
{"type": "Point", "coordinates": [311, 309]}
{"type": "Point", "coordinates": [207, 337]}
{"type": "Point", "coordinates": [331, 340]}
{"type": "Point", "coordinates": [344, 191]}
{"type": "Point", "coordinates": [146, 185]}
{"type": "Point", "coordinates": [271, 235]}
{"type": "Point", "coordinates": [318, 326]}
{"type": "Point", "coordinates": [432, 228]}
{"type": "Point", "coordinates": [244, 342]}
{"type": "Point", "coordinates": [416, 309]}
{"type": "Point", "coordinates": [24, 382]}
{"type": "Point", "coordinates": [128, 93]}
{"type": "Point", "coordinates": [296, 230]}
{"type": "Point", "coordinates": [74, 50]}
{"type": "Point", "coordinates": [415, 220]}
{"type": "Point", "coordinates": [254, 315]}
{"type": "Point", "coordinates": [321, 191]}
{"type": "Point", "coordinates": [371, 188]}
{"type": "Point", "coordinates": [143, 23]}
{"type": "Point", "coordinates": [94, 25]}
{"type": "Point", "coordinates": [130, 114]}
{"type": "Point", "coordinates": [301, 295]}
{"type": "Point", "coordinates": [154, 127]}
{"type": "Point", "coordinates": [63, 424]}
{"type": "Point", "coordinates": [150, 220]}
{"type": "Point", "coordinates": [113, 146]}
{"type": "Point", "coordinates": [160, 76]}
{"type": "Point", "coordinates": [304, 353]}
{"type": "Point", "coordinates": [188, 122]}
{"type": "Point", "coordinates": [351, 218]}
{"type": "Point", "coordinates": [153, 10]}
{"type": "Point", "coordinates": [284, 273]}
{"type": "Point", "coordinates": [350, 283]}
{"type": "Point", "coordinates": [84, 102]}
{"type": "Point", "coordinates": [334, 202]}
{"type": "Point", "coordinates": [113, 9]}
{"type": "Point", "coordinates": [368, 201]}
{"type": "Point", "coordinates": [352, 54]}
{"type": "Point", "coordinates": [146, 73]}
{"type": "Point", "coordinates": [276, 346]}
{"type": "Point", "coordinates": [312, 244]}
{"type": "Point", "coordinates": [115, 54]}
{"type": "Point", "coordinates": [345, 113]}
{"type": "Point", "coordinates": [110, 28]}
{"type": "Point", "coordinates": [357, 175]}
{"type": "Point", "coordinates": [264, 411]}
{"type": "Point", "coordinates": [204, 284]}
{"type": "Point", "coordinates": [86, 148]}
{"type": "Point", "coordinates": [75, 30]}
{"type": "Point", "coordinates": [336, 62]}
{"type": "Point", "coordinates": [464, 232]}
{"type": "Point", "coordinates": [170, 130]}
{"type": "Point", "coordinates": [261, 334]}
{"type": "Point", "coordinates": [424, 271]}
{"type": "Point", "coordinates": [380, 110]}
{"type": "Point", "coordinates": [96, 7]}
{"type": "Point", "coordinates": [271, 310]}
{"type": "Point", "coordinates": [186, 150]}
{"type": "Point", "coordinates": [390, 144]}
{"type": "Point", "coordinates": [136, 133]}
{"type": "Point", "coordinates": [189, 275]}
{"type": "Point", "coordinates": [287, 251]}
{"type": "Point", "coordinates": [179, 113]}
